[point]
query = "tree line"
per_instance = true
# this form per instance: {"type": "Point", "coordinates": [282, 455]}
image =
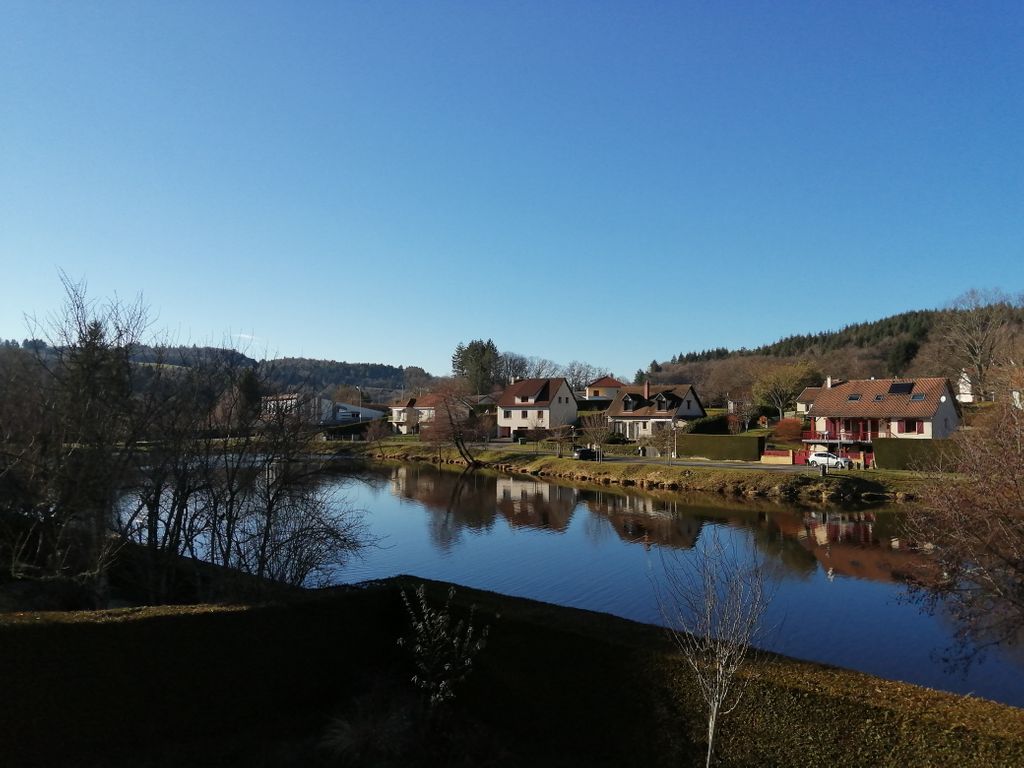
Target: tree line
{"type": "Point", "coordinates": [484, 368]}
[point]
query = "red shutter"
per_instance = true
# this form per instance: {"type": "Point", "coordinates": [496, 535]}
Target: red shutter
{"type": "Point", "coordinates": [920, 426]}
{"type": "Point", "coordinates": [899, 426]}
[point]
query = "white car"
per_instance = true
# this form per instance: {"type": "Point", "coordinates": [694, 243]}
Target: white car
{"type": "Point", "coordinates": [825, 459]}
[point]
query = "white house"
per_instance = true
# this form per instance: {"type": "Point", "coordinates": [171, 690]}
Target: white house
{"type": "Point", "coordinates": [640, 411]}
{"type": "Point", "coordinates": [535, 404]}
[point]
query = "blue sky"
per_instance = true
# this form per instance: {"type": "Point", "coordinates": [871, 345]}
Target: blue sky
{"type": "Point", "coordinates": [607, 182]}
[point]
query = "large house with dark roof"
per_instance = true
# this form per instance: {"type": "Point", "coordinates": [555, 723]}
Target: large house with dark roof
{"type": "Point", "coordinates": [640, 411]}
{"type": "Point", "coordinates": [854, 413]}
{"type": "Point", "coordinates": [535, 404]}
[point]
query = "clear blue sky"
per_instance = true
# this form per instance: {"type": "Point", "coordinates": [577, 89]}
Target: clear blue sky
{"type": "Point", "coordinates": [608, 182]}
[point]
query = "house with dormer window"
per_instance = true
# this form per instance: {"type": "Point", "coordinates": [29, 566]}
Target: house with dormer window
{"type": "Point", "coordinates": [535, 404]}
{"type": "Point", "coordinates": [852, 414]}
{"type": "Point", "coordinates": [640, 411]}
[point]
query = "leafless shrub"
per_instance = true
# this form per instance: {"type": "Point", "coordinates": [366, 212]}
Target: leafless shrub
{"type": "Point", "coordinates": [443, 649]}
{"type": "Point", "coordinates": [713, 601]}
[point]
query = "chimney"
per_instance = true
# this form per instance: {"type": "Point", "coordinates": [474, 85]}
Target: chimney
{"type": "Point", "coordinates": [647, 389]}
{"type": "Point", "coordinates": [828, 382]}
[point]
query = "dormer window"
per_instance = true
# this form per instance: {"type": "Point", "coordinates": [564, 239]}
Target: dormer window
{"type": "Point", "coordinates": [628, 404]}
{"type": "Point", "coordinates": [853, 398]}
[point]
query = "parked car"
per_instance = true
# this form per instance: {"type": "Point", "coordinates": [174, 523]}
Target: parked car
{"type": "Point", "coordinates": [584, 454]}
{"type": "Point", "coordinates": [825, 459]}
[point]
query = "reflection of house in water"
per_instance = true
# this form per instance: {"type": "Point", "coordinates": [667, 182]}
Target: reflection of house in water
{"type": "Point", "coordinates": [645, 519]}
{"type": "Point", "coordinates": [846, 543]}
{"type": "Point", "coordinates": [535, 503]}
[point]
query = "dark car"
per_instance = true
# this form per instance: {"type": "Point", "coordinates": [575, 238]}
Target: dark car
{"type": "Point", "coordinates": [584, 454]}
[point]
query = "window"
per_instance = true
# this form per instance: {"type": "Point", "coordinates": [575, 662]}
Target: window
{"type": "Point", "coordinates": [597, 393]}
{"type": "Point", "coordinates": [525, 414]}
{"type": "Point", "coordinates": [879, 398]}
{"type": "Point", "coordinates": [508, 414]}
{"type": "Point", "coordinates": [687, 405]}
{"type": "Point", "coordinates": [911, 425]}
{"type": "Point", "coordinates": [917, 396]}
{"type": "Point", "coordinates": [644, 425]}
{"type": "Point", "coordinates": [853, 398]}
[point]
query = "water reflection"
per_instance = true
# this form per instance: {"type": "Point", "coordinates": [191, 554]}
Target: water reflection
{"type": "Point", "coordinates": [841, 598]}
{"type": "Point", "coordinates": [858, 544]}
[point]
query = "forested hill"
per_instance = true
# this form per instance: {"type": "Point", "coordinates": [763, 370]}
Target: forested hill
{"type": "Point", "coordinates": [292, 373]}
{"type": "Point", "coordinates": [905, 331]}
{"type": "Point", "coordinates": [329, 378]}
{"type": "Point", "coordinates": [916, 343]}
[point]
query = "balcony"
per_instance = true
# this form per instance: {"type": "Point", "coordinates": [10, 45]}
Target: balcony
{"type": "Point", "coordinates": [842, 436]}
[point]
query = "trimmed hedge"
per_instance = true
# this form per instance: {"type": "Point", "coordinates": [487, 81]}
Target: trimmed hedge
{"type": "Point", "coordinates": [903, 453]}
{"type": "Point", "coordinates": [721, 447]}
{"type": "Point", "coordinates": [711, 425]}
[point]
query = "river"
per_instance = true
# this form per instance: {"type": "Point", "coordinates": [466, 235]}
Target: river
{"type": "Point", "coordinates": [839, 574]}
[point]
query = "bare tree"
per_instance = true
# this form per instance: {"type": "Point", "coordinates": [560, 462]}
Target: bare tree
{"type": "Point", "coordinates": [663, 439]}
{"type": "Point", "coordinates": [596, 430]}
{"type": "Point", "coordinates": [377, 431]}
{"type": "Point", "coordinates": [64, 467]}
{"type": "Point", "coordinates": [971, 519]}
{"type": "Point", "coordinates": [713, 601]}
{"type": "Point", "coordinates": [542, 368]}
{"type": "Point", "coordinates": [579, 374]}
{"type": "Point", "coordinates": [976, 335]}
{"type": "Point", "coordinates": [780, 386]}
{"type": "Point", "coordinates": [512, 367]}
{"type": "Point", "coordinates": [454, 422]}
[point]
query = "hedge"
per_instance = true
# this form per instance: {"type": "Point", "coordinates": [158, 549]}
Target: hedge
{"type": "Point", "coordinates": [721, 447]}
{"type": "Point", "coordinates": [903, 453]}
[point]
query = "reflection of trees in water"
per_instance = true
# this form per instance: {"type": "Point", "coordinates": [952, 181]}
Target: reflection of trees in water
{"type": "Point", "coordinates": [454, 502]}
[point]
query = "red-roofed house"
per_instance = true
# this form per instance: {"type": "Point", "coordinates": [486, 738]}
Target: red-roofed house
{"type": "Point", "coordinates": [605, 388]}
{"type": "Point", "coordinates": [535, 404]}
{"type": "Point", "coordinates": [860, 411]}
{"type": "Point", "coordinates": [638, 411]}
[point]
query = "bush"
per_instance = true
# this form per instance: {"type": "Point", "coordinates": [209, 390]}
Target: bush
{"type": "Point", "coordinates": [789, 430]}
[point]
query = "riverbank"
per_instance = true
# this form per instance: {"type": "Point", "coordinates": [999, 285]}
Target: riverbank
{"type": "Point", "coordinates": [321, 681]}
{"type": "Point", "coordinates": [849, 486]}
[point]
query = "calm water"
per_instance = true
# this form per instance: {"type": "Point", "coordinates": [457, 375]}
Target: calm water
{"type": "Point", "coordinates": [839, 600]}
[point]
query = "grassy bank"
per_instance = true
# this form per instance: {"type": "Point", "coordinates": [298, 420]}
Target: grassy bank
{"type": "Point", "coordinates": [846, 485]}
{"type": "Point", "coordinates": [266, 686]}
